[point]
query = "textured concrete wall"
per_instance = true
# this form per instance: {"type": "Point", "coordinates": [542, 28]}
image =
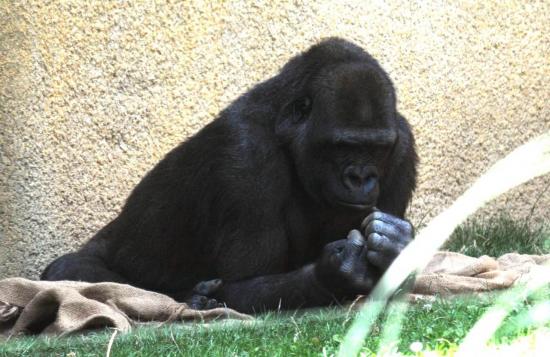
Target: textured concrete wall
{"type": "Point", "coordinates": [93, 93]}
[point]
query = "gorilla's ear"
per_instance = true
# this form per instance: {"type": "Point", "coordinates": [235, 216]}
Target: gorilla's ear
{"type": "Point", "coordinates": [301, 108]}
{"type": "Point", "coordinates": [293, 114]}
{"type": "Point", "coordinates": [400, 179]}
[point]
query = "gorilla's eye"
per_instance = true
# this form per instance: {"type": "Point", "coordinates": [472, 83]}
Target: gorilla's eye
{"type": "Point", "coordinates": [302, 107]}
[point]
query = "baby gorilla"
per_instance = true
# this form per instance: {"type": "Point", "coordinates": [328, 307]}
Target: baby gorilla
{"type": "Point", "coordinates": [252, 210]}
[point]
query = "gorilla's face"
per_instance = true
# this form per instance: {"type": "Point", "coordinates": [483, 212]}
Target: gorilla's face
{"type": "Point", "coordinates": [343, 133]}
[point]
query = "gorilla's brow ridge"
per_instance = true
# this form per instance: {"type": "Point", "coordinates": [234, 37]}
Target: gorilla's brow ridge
{"type": "Point", "coordinates": [371, 136]}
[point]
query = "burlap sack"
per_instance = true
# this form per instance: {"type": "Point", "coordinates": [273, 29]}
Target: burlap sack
{"type": "Point", "coordinates": [32, 307]}
{"type": "Point", "coordinates": [453, 273]}
{"type": "Point", "coordinates": [64, 307]}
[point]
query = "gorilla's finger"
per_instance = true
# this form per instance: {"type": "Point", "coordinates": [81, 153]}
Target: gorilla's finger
{"type": "Point", "coordinates": [354, 243]}
{"type": "Point", "coordinates": [378, 259]}
{"type": "Point", "coordinates": [403, 225]}
{"type": "Point", "coordinates": [363, 276]}
{"type": "Point", "coordinates": [380, 243]}
{"type": "Point", "coordinates": [333, 251]}
{"type": "Point", "coordinates": [369, 218]}
{"type": "Point", "coordinates": [363, 256]}
{"type": "Point", "coordinates": [211, 304]}
{"type": "Point", "coordinates": [336, 248]}
{"type": "Point", "coordinates": [382, 228]}
{"type": "Point", "coordinates": [336, 245]}
{"type": "Point", "coordinates": [197, 302]}
{"type": "Point", "coordinates": [353, 248]}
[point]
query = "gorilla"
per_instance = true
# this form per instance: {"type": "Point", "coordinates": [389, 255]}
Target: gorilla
{"type": "Point", "coordinates": [294, 196]}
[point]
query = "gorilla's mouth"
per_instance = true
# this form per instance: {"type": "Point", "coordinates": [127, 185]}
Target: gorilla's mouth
{"type": "Point", "coordinates": [356, 205]}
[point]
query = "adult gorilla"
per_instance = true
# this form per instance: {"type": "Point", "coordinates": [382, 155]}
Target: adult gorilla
{"type": "Point", "coordinates": [264, 196]}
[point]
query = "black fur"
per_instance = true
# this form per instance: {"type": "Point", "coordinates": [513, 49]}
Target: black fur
{"type": "Point", "coordinates": [258, 197]}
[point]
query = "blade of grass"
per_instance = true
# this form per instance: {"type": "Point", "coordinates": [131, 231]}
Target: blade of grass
{"type": "Point", "coordinates": [537, 316]}
{"type": "Point", "coordinates": [485, 327]}
{"type": "Point", "coordinates": [393, 324]}
{"type": "Point", "coordinates": [524, 163]}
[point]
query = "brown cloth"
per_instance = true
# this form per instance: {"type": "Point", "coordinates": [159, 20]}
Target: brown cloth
{"type": "Point", "coordinates": [450, 273]}
{"type": "Point", "coordinates": [63, 307]}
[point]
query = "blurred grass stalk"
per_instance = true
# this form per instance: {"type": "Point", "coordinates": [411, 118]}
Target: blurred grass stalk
{"type": "Point", "coordinates": [393, 324]}
{"type": "Point", "coordinates": [524, 163]}
{"type": "Point", "coordinates": [476, 339]}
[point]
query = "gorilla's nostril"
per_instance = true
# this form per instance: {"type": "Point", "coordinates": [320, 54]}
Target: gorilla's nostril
{"type": "Point", "coordinates": [353, 177]}
{"type": "Point", "coordinates": [359, 178]}
{"type": "Point", "coordinates": [355, 180]}
{"type": "Point", "coordinates": [370, 183]}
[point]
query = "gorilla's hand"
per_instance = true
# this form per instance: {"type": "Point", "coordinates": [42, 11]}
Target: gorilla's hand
{"type": "Point", "coordinates": [386, 237]}
{"type": "Point", "coordinates": [343, 268]}
{"type": "Point", "coordinates": [201, 295]}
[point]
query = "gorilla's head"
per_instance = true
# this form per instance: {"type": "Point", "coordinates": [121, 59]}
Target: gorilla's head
{"type": "Point", "coordinates": [340, 126]}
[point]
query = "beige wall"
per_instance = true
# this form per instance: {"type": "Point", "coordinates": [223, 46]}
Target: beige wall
{"type": "Point", "coordinates": [93, 93]}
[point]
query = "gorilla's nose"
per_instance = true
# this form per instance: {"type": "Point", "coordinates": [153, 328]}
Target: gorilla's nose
{"type": "Point", "coordinates": [359, 178]}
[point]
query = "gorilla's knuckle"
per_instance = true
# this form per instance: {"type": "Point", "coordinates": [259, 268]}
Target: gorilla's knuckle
{"type": "Point", "coordinates": [379, 215]}
{"type": "Point", "coordinates": [377, 241]}
{"type": "Point", "coordinates": [407, 227]}
{"type": "Point", "coordinates": [371, 227]}
{"type": "Point", "coordinates": [342, 271]}
{"type": "Point", "coordinates": [373, 239]}
{"type": "Point", "coordinates": [372, 255]}
{"type": "Point", "coordinates": [380, 226]}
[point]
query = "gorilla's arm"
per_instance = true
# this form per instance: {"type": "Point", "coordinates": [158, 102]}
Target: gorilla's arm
{"type": "Point", "coordinates": [345, 268]}
{"type": "Point", "coordinates": [299, 288]}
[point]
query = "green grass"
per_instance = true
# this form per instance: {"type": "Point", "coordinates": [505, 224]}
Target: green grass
{"type": "Point", "coordinates": [438, 325]}
{"type": "Point", "coordinates": [499, 235]}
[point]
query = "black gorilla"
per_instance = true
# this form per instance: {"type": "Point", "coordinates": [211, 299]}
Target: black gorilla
{"type": "Point", "coordinates": [265, 195]}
